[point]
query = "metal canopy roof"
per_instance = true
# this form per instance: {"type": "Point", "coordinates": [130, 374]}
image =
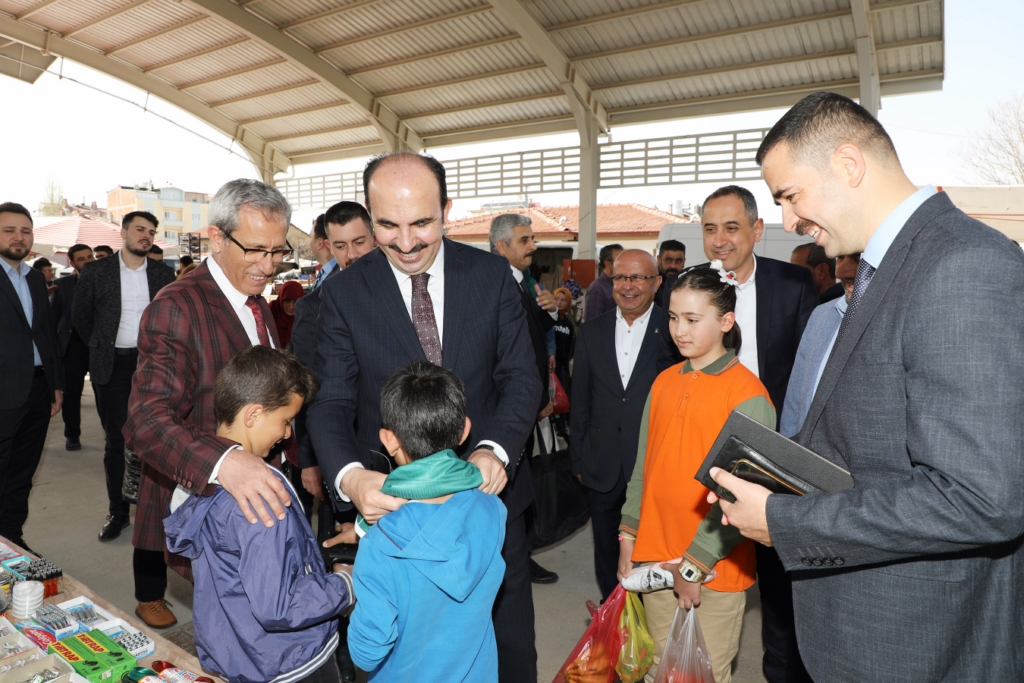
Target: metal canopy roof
{"type": "Point", "coordinates": [297, 81]}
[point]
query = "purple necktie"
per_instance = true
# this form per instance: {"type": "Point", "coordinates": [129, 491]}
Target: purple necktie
{"type": "Point", "coordinates": [261, 325]}
{"type": "Point", "coordinates": [423, 319]}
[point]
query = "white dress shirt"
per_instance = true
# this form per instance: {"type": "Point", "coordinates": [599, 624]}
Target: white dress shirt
{"type": "Point", "coordinates": [628, 340]}
{"type": "Point", "coordinates": [19, 279]}
{"type": "Point", "coordinates": [134, 299]}
{"type": "Point", "coordinates": [746, 317]}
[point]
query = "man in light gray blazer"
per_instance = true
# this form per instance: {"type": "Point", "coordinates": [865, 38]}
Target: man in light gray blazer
{"type": "Point", "coordinates": [916, 573]}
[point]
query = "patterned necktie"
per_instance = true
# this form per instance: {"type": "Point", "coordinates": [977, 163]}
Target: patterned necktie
{"type": "Point", "coordinates": [864, 273]}
{"type": "Point", "coordinates": [261, 325]}
{"type": "Point", "coordinates": [319, 279]}
{"type": "Point", "coordinates": [423, 319]}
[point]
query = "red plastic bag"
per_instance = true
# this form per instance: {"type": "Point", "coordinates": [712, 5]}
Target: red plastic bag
{"type": "Point", "coordinates": [594, 658]}
{"type": "Point", "coordinates": [559, 398]}
{"type": "Point", "coordinates": [686, 658]}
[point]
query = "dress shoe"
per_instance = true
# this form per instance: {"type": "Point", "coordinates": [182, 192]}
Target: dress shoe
{"type": "Point", "coordinates": [540, 575]}
{"type": "Point", "coordinates": [156, 614]}
{"type": "Point", "coordinates": [72, 445]}
{"type": "Point", "coordinates": [113, 526]}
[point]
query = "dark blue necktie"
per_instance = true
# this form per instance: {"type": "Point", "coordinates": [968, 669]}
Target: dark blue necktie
{"type": "Point", "coordinates": [864, 273]}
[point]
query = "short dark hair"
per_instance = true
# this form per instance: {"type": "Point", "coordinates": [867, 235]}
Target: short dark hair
{"type": "Point", "coordinates": [155, 250]}
{"type": "Point", "coordinates": [41, 263]}
{"type": "Point", "coordinates": [432, 164]}
{"type": "Point", "coordinates": [346, 212]}
{"type": "Point", "coordinates": [104, 248]}
{"type": "Point", "coordinates": [129, 217]}
{"type": "Point", "coordinates": [185, 260]}
{"type": "Point", "coordinates": [75, 249]}
{"type": "Point", "coordinates": [319, 230]}
{"type": "Point", "coordinates": [425, 406]}
{"type": "Point", "coordinates": [745, 195]}
{"type": "Point", "coordinates": [14, 207]}
{"type": "Point", "coordinates": [816, 256]}
{"type": "Point", "coordinates": [263, 376]}
{"type": "Point", "coordinates": [672, 245]}
{"type": "Point", "coordinates": [816, 125]}
{"type": "Point", "coordinates": [722, 295]}
{"type": "Point", "coordinates": [606, 253]}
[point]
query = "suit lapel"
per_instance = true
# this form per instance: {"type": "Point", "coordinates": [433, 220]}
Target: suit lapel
{"type": "Point", "coordinates": [648, 349]}
{"type": "Point", "coordinates": [211, 291]}
{"type": "Point", "coordinates": [765, 287]}
{"type": "Point", "coordinates": [8, 287]}
{"type": "Point", "coordinates": [384, 287]}
{"type": "Point", "coordinates": [40, 299]}
{"type": "Point", "coordinates": [151, 279]}
{"type": "Point", "coordinates": [456, 302]}
{"type": "Point", "coordinates": [608, 346]}
{"type": "Point", "coordinates": [114, 280]}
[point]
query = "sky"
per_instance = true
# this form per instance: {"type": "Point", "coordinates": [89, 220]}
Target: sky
{"type": "Point", "coordinates": [91, 141]}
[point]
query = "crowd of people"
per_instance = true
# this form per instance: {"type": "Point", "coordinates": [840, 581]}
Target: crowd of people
{"type": "Point", "coordinates": [417, 370]}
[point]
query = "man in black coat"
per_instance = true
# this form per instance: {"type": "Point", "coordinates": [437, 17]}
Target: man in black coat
{"type": "Point", "coordinates": [774, 300]}
{"type": "Point", "coordinates": [74, 354]}
{"type": "Point", "coordinates": [109, 300]}
{"type": "Point", "coordinates": [31, 379]}
{"type": "Point", "coordinates": [615, 366]}
{"type": "Point", "coordinates": [420, 296]}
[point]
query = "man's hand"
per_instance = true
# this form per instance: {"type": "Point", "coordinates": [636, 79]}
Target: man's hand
{"type": "Point", "coordinates": [363, 487]}
{"type": "Point", "coordinates": [346, 534]}
{"type": "Point", "coordinates": [253, 486]}
{"type": "Point", "coordinates": [625, 558]}
{"type": "Point", "coordinates": [688, 593]}
{"type": "Point", "coordinates": [58, 399]}
{"type": "Point", "coordinates": [748, 513]}
{"type": "Point", "coordinates": [548, 409]}
{"type": "Point", "coordinates": [545, 299]}
{"type": "Point", "coordinates": [313, 481]}
{"type": "Point", "coordinates": [492, 468]}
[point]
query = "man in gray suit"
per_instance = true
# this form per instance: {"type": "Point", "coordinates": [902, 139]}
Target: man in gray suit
{"type": "Point", "coordinates": [916, 573]}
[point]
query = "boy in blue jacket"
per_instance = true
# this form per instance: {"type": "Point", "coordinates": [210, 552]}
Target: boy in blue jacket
{"type": "Point", "coordinates": [427, 574]}
{"type": "Point", "coordinates": [265, 609]}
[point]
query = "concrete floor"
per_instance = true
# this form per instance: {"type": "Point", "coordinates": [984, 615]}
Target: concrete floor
{"type": "Point", "coordinates": [69, 502]}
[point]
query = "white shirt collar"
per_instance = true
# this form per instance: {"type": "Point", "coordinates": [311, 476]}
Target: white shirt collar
{"type": "Point", "coordinates": [235, 298]}
{"type": "Point", "coordinates": [753, 275]}
{"type": "Point", "coordinates": [885, 235]}
{"type": "Point", "coordinates": [517, 274]}
{"type": "Point", "coordinates": [329, 266]}
{"type": "Point", "coordinates": [21, 270]}
{"type": "Point", "coordinates": [619, 318]}
{"type": "Point", "coordinates": [435, 271]}
{"type": "Point", "coordinates": [124, 266]}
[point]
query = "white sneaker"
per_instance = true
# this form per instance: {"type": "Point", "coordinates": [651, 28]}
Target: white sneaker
{"type": "Point", "coordinates": [648, 578]}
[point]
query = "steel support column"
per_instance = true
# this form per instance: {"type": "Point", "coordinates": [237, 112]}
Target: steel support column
{"type": "Point", "coordinates": [590, 172]}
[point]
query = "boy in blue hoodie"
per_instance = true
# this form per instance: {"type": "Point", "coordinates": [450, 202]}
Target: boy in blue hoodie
{"type": "Point", "coordinates": [427, 574]}
{"type": "Point", "coordinates": [265, 609]}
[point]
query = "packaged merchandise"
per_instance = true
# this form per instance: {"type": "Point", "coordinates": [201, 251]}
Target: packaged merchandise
{"type": "Point", "coordinates": [44, 669]}
{"type": "Point", "coordinates": [36, 632]}
{"type": "Point", "coordinates": [96, 644]}
{"type": "Point", "coordinates": [85, 666]}
{"type": "Point", "coordinates": [172, 674]}
{"type": "Point", "coordinates": [56, 620]}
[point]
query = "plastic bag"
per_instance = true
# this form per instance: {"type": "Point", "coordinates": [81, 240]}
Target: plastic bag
{"type": "Point", "coordinates": [686, 658]}
{"type": "Point", "coordinates": [594, 658]}
{"type": "Point", "coordinates": [559, 399]}
{"type": "Point", "coordinates": [637, 653]}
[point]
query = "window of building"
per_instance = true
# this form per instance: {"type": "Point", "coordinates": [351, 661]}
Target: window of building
{"type": "Point", "coordinates": [168, 215]}
{"type": "Point", "coordinates": [197, 217]}
{"type": "Point", "coordinates": [170, 235]}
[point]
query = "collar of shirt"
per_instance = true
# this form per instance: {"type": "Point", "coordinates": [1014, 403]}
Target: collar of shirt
{"type": "Point", "coordinates": [436, 269]}
{"type": "Point", "coordinates": [517, 274]}
{"type": "Point", "coordinates": [716, 367]}
{"type": "Point", "coordinates": [124, 266]}
{"type": "Point", "coordinates": [21, 270]}
{"type": "Point", "coordinates": [878, 245]}
{"type": "Point", "coordinates": [753, 275]}
{"type": "Point", "coordinates": [841, 304]}
{"type": "Point", "coordinates": [235, 298]}
{"type": "Point", "coordinates": [328, 267]}
{"type": "Point", "coordinates": [642, 320]}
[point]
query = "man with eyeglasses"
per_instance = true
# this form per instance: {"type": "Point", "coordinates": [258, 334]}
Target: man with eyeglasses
{"type": "Point", "coordinates": [189, 332]}
{"type": "Point", "coordinates": [614, 366]}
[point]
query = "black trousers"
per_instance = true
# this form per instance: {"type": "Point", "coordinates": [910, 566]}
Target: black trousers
{"type": "Point", "coordinates": [327, 673]}
{"type": "Point", "coordinates": [150, 570]}
{"type": "Point", "coordinates": [782, 662]}
{"type": "Point", "coordinates": [605, 516]}
{"type": "Point", "coordinates": [513, 610]}
{"type": "Point", "coordinates": [113, 408]}
{"type": "Point", "coordinates": [76, 365]}
{"type": "Point", "coordinates": [22, 437]}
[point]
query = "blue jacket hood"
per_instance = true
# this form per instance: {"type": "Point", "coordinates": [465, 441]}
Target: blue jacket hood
{"type": "Point", "coordinates": [452, 545]}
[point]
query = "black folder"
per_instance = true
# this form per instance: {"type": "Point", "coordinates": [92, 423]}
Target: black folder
{"type": "Point", "coordinates": [761, 455]}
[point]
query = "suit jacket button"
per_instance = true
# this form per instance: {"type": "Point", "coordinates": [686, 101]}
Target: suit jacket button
{"type": "Point", "coordinates": [838, 561]}
{"type": "Point", "coordinates": [816, 562]}
{"type": "Point", "coordinates": [827, 561]}
{"type": "Point", "coordinates": [805, 561]}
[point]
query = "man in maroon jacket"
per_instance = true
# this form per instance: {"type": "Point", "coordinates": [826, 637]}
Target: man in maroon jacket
{"type": "Point", "coordinates": [188, 333]}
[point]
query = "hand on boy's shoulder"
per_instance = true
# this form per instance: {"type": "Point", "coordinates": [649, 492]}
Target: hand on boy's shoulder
{"type": "Point", "coordinates": [254, 486]}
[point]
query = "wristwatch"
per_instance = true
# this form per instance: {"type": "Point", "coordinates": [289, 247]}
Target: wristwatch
{"type": "Point", "coordinates": [691, 573]}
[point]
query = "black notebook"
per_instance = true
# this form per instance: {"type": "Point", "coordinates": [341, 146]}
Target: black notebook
{"type": "Point", "coordinates": [761, 455]}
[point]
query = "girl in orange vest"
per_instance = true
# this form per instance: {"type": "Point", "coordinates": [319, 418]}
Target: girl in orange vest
{"type": "Point", "coordinates": [666, 515]}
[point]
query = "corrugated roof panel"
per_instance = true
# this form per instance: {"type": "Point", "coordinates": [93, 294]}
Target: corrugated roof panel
{"type": "Point", "coordinates": [494, 116]}
{"type": "Point", "coordinates": [66, 15]}
{"type": "Point", "coordinates": [327, 117]}
{"type": "Point", "coordinates": [139, 21]}
{"type": "Point", "coordinates": [301, 98]}
{"type": "Point", "coordinates": [277, 76]}
{"type": "Point", "coordinates": [279, 12]}
{"type": "Point", "coordinates": [191, 40]}
{"type": "Point", "coordinates": [478, 91]}
{"type": "Point", "coordinates": [16, 7]}
{"type": "Point", "coordinates": [909, 59]}
{"type": "Point", "coordinates": [232, 58]}
{"type": "Point", "coordinates": [327, 141]}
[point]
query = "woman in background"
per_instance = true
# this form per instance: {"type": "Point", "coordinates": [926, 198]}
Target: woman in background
{"type": "Point", "coordinates": [283, 308]}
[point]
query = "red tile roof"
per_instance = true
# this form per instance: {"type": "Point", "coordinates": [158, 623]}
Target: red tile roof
{"type": "Point", "coordinates": [78, 230]}
{"type": "Point", "coordinates": [548, 221]}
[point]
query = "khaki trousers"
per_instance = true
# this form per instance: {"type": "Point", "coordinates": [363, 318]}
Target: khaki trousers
{"type": "Point", "coordinates": [721, 618]}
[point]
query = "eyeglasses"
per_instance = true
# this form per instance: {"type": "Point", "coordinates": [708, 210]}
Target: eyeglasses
{"type": "Point", "coordinates": [257, 255]}
{"type": "Point", "coordinates": [635, 279]}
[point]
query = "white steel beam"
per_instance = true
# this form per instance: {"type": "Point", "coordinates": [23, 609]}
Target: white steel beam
{"type": "Point", "coordinates": [322, 131]}
{"type": "Point", "coordinates": [195, 55]}
{"type": "Point", "coordinates": [434, 55]}
{"type": "Point", "coordinates": [867, 64]}
{"type": "Point", "coordinates": [464, 79]}
{"type": "Point", "coordinates": [35, 9]}
{"type": "Point", "coordinates": [105, 17]}
{"type": "Point", "coordinates": [483, 105]}
{"type": "Point", "coordinates": [513, 129]}
{"type": "Point", "coordinates": [267, 159]}
{"type": "Point", "coordinates": [291, 112]}
{"type": "Point", "coordinates": [155, 34]}
{"type": "Point", "coordinates": [403, 28]}
{"type": "Point", "coordinates": [394, 132]}
{"type": "Point", "coordinates": [334, 11]}
{"type": "Point", "coordinates": [367, 149]}
{"type": "Point", "coordinates": [230, 74]}
{"type": "Point", "coordinates": [264, 93]}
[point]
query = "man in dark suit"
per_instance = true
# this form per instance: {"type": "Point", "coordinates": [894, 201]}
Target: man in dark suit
{"type": "Point", "coordinates": [32, 378]}
{"type": "Point", "coordinates": [106, 309]}
{"type": "Point", "coordinates": [190, 331]}
{"type": "Point", "coordinates": [774, 301]}
{"type": "Point", "coordinates": [823, 270]}
{"type": "Point", "coordinates": [422, 296]}
{"type": "Point", "coordinates": [917, 572]}
{"type": "Point", "coordinates": [615, 366]}
{"type": "Point", "coordinates": [511, 236]}
{"type": "Point", "coordinates": [74, 354]}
